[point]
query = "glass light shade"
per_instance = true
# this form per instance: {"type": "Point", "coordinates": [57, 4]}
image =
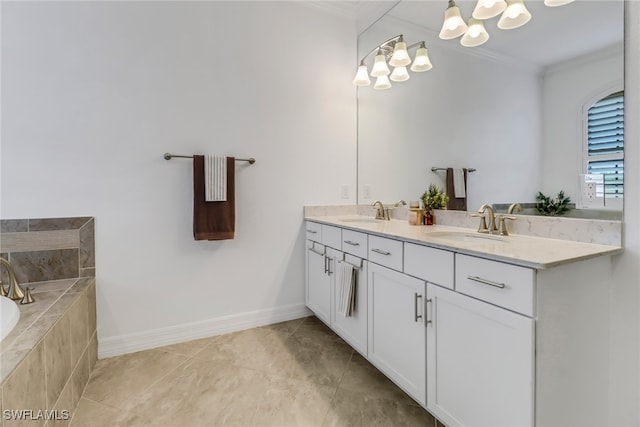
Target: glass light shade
{"type": "Point", "coordinates": [554, 3]}
{"type": "Point", "coordinates": [453, 25]}
{"type": "Point", "coordinates": [382, 83]}
{"type": "Point", "coordinates": [400, 74]}
{"type": "Point", "coordinates": [380, 67]}
{"type": "Point", "coordinates": [486, 9]}
{"type": "Point", "coordinates": [362, 77]}
{"type": "Point", "coordinates": [421, 61]}
{"type": "Point", "coordinates": [400, 56]}
{"type": "Point", "coordinates": [514, 16]}
{"type": "Point", "coordinates": [475, 35]}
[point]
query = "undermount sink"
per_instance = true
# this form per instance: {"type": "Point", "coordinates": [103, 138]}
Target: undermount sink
{"type": "Point", "coordinates": [459, 236]}
{"type": "Point", "coordinates": [365, 220]}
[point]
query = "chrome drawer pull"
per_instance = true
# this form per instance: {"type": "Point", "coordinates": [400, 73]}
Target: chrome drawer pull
{"type": "Point", "coordinates": [312, 231]}
{"type": "Point", "coordinates": [349, 242]}
{"type": "Point", "coordinates": [486, 282]}
{"type": "Point", "coordinates": [380, 251]}
{"type": "Point", "coordinates": [428, 319]}
{"type": "Point", "coordinates": [416, 316]}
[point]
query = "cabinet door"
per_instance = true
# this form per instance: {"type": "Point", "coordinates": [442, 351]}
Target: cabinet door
{"type": "Point", "coordinates": [480, 362]}
{"type": "Point", "coordinates": [396, 328]}
{"type": "Point", "coordinates": [352, 329]}
{"type": "Point", "coordinates": [318, 295]}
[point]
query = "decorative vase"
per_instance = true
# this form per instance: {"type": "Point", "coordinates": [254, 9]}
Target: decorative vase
{"type": "Point", "coordinates": [429, 218]}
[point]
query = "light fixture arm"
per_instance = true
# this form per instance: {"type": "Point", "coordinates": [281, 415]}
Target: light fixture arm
{"type": "Point", "coordinates": [387, 47]}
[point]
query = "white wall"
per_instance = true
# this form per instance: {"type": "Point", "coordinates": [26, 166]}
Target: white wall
{"type": "Point", "coordinates": [95, 92]}
{"type": "Point", "coordinates": [468, 111]}
{"type": "Point", "coordinates": [624, 372]}
{"type": "Point", "coordinates": [567, 88]}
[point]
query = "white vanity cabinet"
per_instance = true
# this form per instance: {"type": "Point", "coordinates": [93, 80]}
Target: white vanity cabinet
{"type": "Point", "coordinates": [480, 362]}
{"type": "Point", "coordinates": [474, 338]}
{"type": "Point", "coordinates": [396, 328]}
{"type": "Point", "coordinates": [321, 258]}
{"type": "Point", "coordinates": [318, 280]}
{"type": "Point", "coordinates": [353, 329]}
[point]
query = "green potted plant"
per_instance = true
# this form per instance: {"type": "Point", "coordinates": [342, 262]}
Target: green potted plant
{"type": "Point", "coordinates": [552, 207]}
{"type": "Point", "coordinates": [433, 198]}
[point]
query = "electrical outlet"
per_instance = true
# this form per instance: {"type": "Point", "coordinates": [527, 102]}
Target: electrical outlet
{"type": "Point", "coordinates": [590, 191]}
{"type": "Point", "coordinates": [366, 192]}
{"type": "Point", "coordinates": [345, 191]}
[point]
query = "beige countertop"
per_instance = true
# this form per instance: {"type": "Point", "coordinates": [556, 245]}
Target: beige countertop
{"type": "Point", "coordinates": [527, 251]}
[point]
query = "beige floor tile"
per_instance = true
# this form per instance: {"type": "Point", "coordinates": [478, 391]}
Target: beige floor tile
{"type": "Point", "coordinates": [93, 414]}
{"type": "Point", "coordinates": [117, 380]}
{"type": "Point", "coordinates": [201, 394]}
{"type": "Point", "coordinates": [188, 348]}
{"type": "Point", "coordinates": [351, 408]}
{"type": "Point", "coordinates": [285, 328]}
{"type": "Point", "coordinates": [254, 348]}
{"type": "Point", "coordinates": [362, 377]}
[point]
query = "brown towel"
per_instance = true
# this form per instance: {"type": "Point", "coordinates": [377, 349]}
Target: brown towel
{"type": "Point", "coordinates": [213, 220]}
{"type": "Point", "coordinates": [455, 204]}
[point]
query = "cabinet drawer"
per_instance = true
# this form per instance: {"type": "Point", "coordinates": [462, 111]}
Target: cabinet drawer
{"type": "Point", "coordinates": [387, 252]}
{"type": "Point", "coordinates": [354, 243]}
{"type": "Point", "coordinates": [432, 265]}
{"type": "Point", "coordinates": [505, 285]}
{"type": "Point", "coordinates": [332, 236]}
{"type": "Point", "coordinates": [314, 231]}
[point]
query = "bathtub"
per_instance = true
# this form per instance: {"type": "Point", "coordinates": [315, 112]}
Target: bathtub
{"type": "Point", "coordinates": [9, 315]}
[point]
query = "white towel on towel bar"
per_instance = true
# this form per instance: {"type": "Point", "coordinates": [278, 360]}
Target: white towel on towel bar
{"type": "Point", "coordinates": [459, 184]}
{"type": "Point", "coordinates": [347, 289]}
{"type": "Point", "coordinates": [215, 178]}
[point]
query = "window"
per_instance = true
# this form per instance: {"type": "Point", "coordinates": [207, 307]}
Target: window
{"type": "Point", "coordinates": [605, 145]}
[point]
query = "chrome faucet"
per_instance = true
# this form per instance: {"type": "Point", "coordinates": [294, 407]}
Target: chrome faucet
{"type": "Point", "coordinates": [15, 291]}
{"type": "Point", "coordinates": [483, 228]}
{"type": "Point", "coordinates": [379, 209]}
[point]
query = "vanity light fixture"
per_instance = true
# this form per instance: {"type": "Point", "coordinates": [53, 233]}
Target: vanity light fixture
{"type": "Point", "coordinates": [396, 51]}
{"type": "Point", "coordinates": [554, 3]}
{"type": "Point", "coordinates": [453, 25]}
{"type": "Point", "coordinates": [514, 15]}
{"type": "Point", "coordinates": [475, 35]}
{"type": "Point", "coordinates": [486, 9]}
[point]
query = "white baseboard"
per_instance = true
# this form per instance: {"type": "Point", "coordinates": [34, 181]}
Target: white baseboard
{"type": "Point", "coordinates": [123, 344]}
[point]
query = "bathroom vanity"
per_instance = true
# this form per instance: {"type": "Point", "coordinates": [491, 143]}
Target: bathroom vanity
{"type": "Point", "coordinates": [478, 329]}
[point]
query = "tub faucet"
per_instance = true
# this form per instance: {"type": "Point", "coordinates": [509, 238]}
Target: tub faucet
{"type": "Point", "coordinates": [15, 292]}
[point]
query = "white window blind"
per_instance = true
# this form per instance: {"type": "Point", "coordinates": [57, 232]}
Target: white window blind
{"type": "Point", "coordinates": [605, 144]}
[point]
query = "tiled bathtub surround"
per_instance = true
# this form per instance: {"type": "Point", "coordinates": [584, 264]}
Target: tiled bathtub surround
{"type": "Point", "coordinates": [49, 248]}
{"type": "Point", "coordinates": [45, 362]}
{"type": "Point", "coordinates": [603, 232]}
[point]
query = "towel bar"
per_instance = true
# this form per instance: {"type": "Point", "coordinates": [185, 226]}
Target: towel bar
{"type": "Point", "coordinates": [435, 169]}
{"type": "Point", "coordinates": [168, 156]}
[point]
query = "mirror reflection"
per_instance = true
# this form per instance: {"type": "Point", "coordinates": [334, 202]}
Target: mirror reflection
{"type": "Point", "coordinates": [535, 109]}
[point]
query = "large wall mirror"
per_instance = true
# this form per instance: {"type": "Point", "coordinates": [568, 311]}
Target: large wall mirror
{"type": "Point", "coordinates": [513, 109]}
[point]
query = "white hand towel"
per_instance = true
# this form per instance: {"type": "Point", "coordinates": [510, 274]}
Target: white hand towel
{"type": "Point", "coordinates": [215, 178]}
{"type": "Point", "coordinates": [346, 287]}
{"type": "Point", "coordinates": [458, 184]}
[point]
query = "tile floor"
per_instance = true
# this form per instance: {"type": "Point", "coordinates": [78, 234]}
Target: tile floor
{"type": "Point", "coordinates": [296, 373]}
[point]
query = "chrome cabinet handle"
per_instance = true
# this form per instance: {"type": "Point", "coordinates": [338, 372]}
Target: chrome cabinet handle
{"type": "Point", "coordinates": [416, 316]}
{"type": "Point", "coordinates": [325, 264]}
{"type": "Point", "coordinates": [486, 282]}
{"type": "Point", "coordinates": [349, 242]}
{"type": "Point", "coordinates": [329, 272]}
{"type": "Point", "coordinates": [429, 320]}
{"type": "Point", "coordinates": [312, 231]}
{"type": "Point", "coordinates": [380, 251]}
